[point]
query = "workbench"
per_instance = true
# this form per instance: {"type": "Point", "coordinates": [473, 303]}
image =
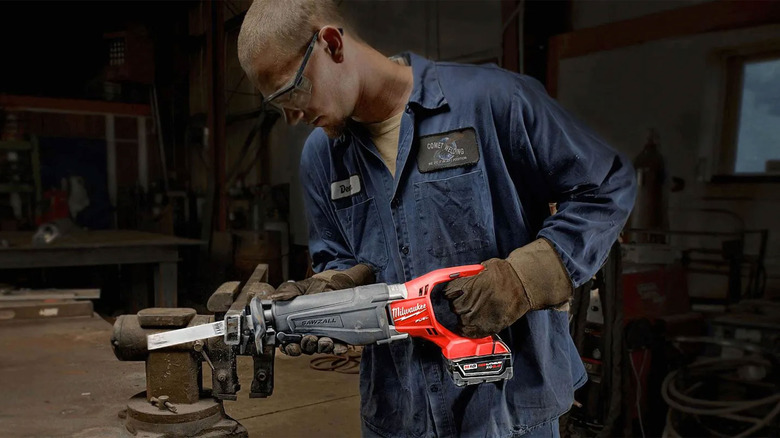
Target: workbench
{"type": "Point", "coordinates": [101, 247]}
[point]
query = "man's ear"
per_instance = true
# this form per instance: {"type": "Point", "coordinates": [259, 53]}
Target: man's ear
{"type": "Point", "coordinates": [334, 43]}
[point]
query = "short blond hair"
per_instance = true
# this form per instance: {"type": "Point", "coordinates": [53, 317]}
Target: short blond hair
{"type": "Point", "coordinates": [281, 28]}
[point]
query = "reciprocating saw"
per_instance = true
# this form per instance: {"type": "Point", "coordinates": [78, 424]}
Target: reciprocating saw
{"type": "Point", "coordinates": [364, 315]}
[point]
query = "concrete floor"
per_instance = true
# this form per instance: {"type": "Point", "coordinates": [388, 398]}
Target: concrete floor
{"type": "Point", "coordinates": [305, 402]}
{"type": "Point", "coordinates": [61, 379]}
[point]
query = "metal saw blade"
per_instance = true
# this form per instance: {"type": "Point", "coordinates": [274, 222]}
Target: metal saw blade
{"type": "Point", "coordinates": [182, 336]}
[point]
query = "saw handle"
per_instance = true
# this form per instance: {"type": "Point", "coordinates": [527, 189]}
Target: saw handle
{"type": "Point", "coordinates": [415, 316]}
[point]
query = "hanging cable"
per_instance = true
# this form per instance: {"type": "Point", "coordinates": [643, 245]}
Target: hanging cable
{"type": "Point", "coordinates": [347, 363]}
{"type": "Point", "coordinates": [637, 377]}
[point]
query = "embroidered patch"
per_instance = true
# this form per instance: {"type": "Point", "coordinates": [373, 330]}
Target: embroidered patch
{"type": "Point", "coordinates": [448, 149]}
{"type": "Point", "coordinates": [345, 188]}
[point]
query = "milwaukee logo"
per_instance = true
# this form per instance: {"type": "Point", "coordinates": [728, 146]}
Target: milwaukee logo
{"type": "Point", "coordinates": [401, 314]}
{"type": "Point", "coordinates": [329, 321]}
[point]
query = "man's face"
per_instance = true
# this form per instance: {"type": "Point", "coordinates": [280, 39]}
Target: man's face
{"type": "Point", "coordinates": [308, 87]}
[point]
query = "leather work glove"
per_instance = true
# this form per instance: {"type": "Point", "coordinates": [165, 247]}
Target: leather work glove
{"type": "Point", "coordinates": [531, 278]}
{"type": "Point", "coordinates": [357, 275]}
{"type": "Point", "coordinates": [325, 281]}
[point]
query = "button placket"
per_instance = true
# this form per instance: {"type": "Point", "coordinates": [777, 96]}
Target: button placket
{"type": "Point", "coordinates": [398, 215]}
{"type": "Point", "coordinates": [403, 236]}
{"type": "Point", "coordinates": [442, 417]}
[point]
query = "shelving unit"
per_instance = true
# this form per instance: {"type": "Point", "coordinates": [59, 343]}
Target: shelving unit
{"type": "Point", "coordinates": [26, 185]}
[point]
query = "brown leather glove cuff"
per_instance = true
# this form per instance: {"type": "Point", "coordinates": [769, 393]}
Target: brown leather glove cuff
{"type": "Point", "coordinates": [359, 275]}
{"type": "Point", "coordinates": [540, 269]}
{"type": "Point", "coordinates": [325, 281]}
{"type": "Point", "coordinates": [326, 275]}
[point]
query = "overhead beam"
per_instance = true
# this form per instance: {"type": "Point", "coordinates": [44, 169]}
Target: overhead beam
{"type": "Point", "coordinates": [690, 20]}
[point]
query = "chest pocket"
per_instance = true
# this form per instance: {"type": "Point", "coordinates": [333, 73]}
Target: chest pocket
{"type": "Point", "coordinates": [364, 233]}
{"type": "Point", "coordinates": [455, 215]}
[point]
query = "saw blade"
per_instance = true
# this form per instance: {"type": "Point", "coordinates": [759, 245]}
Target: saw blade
{"type": "Point", "coordinates": [182, 336]}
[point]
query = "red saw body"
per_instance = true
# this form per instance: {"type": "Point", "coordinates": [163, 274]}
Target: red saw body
{"type": "Point", "coordinates": [477, 360]}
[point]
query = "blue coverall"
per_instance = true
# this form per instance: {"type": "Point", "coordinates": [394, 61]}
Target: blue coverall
{"type": "Point", "coordinates": [482, 153]}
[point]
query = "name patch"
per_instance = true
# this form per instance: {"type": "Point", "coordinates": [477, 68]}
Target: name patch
{"type": "Point", "coordinates": [448, 149]}
{"type": "Point", "coordinates": [345, 188]}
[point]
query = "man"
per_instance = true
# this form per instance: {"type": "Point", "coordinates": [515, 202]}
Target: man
{"type": "Point", "coordinates": [418, 166]}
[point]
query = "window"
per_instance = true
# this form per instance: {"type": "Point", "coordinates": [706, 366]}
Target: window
{"type": "Point", "coordinates": [751, 129]}
{"type": "Point", "coordinates": [758, 133]}
{"type": "Point", "coordinates": [116, 51]}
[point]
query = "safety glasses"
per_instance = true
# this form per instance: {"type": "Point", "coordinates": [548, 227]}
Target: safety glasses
{"type": "Point", "coordinates": [295, 94]}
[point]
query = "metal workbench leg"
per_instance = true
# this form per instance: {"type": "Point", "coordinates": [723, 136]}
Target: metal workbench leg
{"type": "Point", "coordinates": [165, 285]}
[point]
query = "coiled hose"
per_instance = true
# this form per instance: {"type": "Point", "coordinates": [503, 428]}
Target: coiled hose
{"type": "Point", "coordinates": [679, 387]}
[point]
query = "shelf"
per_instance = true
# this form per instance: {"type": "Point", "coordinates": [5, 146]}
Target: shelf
{"type": "Point", "coordinates": [15, 145]}
{"type": "Point", "coordinates": [73, 106]}
{"type": "Point", "coordinates": [17, 188]}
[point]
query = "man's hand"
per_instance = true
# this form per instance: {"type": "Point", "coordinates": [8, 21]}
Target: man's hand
{"type": "Point", "coordinates": [358, 275]}
{"type": "Point", "coordinates": [531, 278]}
{"type": "Point", "coordinates": [311, 344]}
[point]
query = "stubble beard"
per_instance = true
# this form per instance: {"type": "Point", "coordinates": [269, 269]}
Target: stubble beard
{"type": "Point", "coordinates": [336, 130]}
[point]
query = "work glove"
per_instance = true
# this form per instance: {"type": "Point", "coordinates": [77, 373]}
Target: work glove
{"type": "Point", "coordinates": [531, 278]}
{"type": "Point", "coordinates": [357, 275]}
{"type": "Point", "coordinates": [325, 281]}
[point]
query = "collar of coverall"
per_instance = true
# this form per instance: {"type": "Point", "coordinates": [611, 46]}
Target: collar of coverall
{"type": "Point", "coordinates": [427, 92]}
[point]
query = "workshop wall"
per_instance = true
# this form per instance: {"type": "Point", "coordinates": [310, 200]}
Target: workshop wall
{"type": "Point", "coordinates": [671, 85]}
